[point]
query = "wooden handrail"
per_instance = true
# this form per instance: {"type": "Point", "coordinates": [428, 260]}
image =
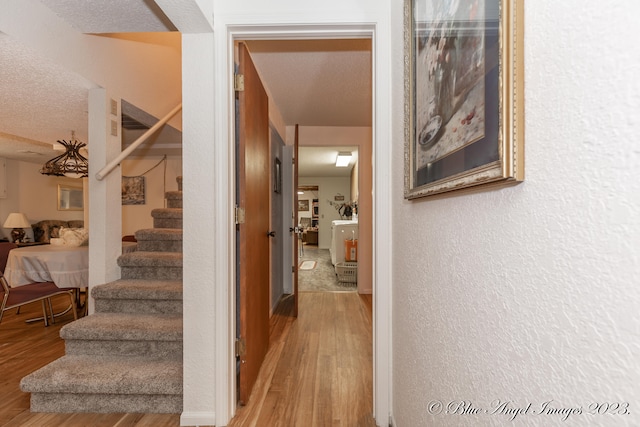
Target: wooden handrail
{"type": "Point", "coordinates": [115, 162]}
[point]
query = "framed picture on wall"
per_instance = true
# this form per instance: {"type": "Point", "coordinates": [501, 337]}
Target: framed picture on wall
{"type": "Point", "coordinates": [70, 197]}
{"type": "Point", "coordinates": [464, 106]}
{"type": "Point", "coordinates": [133, 190]}
{"type": "Point", "coordinates": [303, 205]}
{"type": "Point", "coordinates": [277, 175]}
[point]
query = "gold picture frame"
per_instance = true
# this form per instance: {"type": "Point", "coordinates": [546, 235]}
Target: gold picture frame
{"type": "Point", "coordinates": [303, 205]}
{"type": "Point", "coordinates": [464, 95]}
{"type": "Point", "coordinates": [70, 197]}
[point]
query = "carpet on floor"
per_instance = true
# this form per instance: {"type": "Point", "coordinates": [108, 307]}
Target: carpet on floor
{"type": "Point", "coordinates": [322, 278]}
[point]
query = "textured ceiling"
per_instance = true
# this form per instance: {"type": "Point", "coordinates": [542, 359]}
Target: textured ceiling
{"type": "Point", "coordinates": [321, 161]}
{"type": "Point", "coordinates": [112, 16]}
{"type": "Point", "coordinates": [317, 82]}
{"type": "Point", "coordinates": [39, 99]}
{"type": "Point", "coordinates": [313, 82]}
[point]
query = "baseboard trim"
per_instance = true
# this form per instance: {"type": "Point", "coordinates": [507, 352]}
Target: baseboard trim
{"type": "Point", "coordinates": [199, 419]}
{"type": "Point", "coordinates": [392, 421]}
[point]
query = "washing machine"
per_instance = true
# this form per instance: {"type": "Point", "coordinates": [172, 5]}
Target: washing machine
{"type": "Point", "coordinates": [340, 231]}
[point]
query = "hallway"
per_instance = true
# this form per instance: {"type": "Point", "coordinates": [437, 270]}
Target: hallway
{"type": "Point", "coordinates": [318, 371]}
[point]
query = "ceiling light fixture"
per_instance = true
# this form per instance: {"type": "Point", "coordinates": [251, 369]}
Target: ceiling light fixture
{"type": "Point", "coordinates": [71, 164]}
{"type": "Point", "coordinates": [343, 159]}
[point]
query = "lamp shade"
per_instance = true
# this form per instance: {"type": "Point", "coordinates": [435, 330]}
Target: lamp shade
{"type": "Point", "coordinates": [17, 220]}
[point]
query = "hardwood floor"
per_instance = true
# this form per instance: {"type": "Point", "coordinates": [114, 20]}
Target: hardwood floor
{"type": "Point", "coordinates": [318, 371]}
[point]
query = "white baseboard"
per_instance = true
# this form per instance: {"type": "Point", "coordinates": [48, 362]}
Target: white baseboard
{"type": "Point", "coordinates": [198, 419]}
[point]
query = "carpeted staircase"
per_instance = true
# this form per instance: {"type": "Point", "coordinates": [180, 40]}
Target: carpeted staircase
{"type": "Point", "coordinates": [127, 356]}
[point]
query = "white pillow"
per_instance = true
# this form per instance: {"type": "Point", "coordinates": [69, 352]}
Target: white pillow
{"type": "Point", "coordinates": [56, 241]}
{"type": "Point", "coordinates": [75, 236]}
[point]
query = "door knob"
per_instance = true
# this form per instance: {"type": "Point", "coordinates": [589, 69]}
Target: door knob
{"type": "Point", "coordinates": [271, 233]}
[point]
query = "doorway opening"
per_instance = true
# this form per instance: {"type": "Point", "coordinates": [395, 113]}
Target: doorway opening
{"type": "Point", "coordinates": [225, 386]}
{"type": "Point", "coordinates": [336, 185]}
{"type": "Point", "coordinates": [328, 200]}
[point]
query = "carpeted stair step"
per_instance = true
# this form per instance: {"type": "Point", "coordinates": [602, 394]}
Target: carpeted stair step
{"type": "Point", "coordinates": [151, 265]}
{"type": "Point", "coordinates": [127, 356]}
{"type": "Point", "coordinates": [159, 240]}
{"type": "Point", "coordinates": [125, 334]}
{"type": "Point", "coordinates": [167, 218]}
{"type": "Point", "coordinates": [139, 296]}
{"type": "Point", "coordinates": [174, 199]}
{"type": "Point", "coordinates": [106, 384]}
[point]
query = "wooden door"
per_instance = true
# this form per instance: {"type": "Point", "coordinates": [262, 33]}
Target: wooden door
{"type": "Point", "coordinates": [253, 240]}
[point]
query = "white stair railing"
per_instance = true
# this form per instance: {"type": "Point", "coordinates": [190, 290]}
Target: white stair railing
{"type": "Point", "coordinates": [115, 162]}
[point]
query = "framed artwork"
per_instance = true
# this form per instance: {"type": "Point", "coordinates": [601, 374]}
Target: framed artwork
{"type": "Point", "coordinates": [70, 197]}
{"type": "Point", "coordinates": [133, 190]}
{"type": "Point", "coordinates": [277, 176]}
{"type": "Point", "coordinates": [464, 105]}
{"type": "Point", "coordinates": [303, 205]}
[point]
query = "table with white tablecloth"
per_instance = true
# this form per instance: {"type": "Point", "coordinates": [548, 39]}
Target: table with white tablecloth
{"type": "Point", "coordinates": [66, 266]}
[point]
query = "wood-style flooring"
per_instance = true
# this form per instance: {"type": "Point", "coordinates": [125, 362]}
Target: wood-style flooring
{"type": "Point", "coordinates": [318, 371]}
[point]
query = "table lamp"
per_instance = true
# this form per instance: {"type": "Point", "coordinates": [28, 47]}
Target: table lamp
{"type": "Point", "coordinates": [17, 221]}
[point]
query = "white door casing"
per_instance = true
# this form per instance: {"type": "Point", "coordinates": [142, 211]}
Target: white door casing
{"type": "Point", "coordinates": [381, 155]}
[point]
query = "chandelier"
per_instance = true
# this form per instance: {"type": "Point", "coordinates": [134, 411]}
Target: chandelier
{"type": "Point", "coordinates": [71, 164]}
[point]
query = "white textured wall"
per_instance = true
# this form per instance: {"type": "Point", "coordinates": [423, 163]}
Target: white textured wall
{"type": "Point", "coordinates": [201, 252]}
{"type": "Point", "coordinates": [37, 194]}
{"type": "Point", "coordinates": [34, 194]}
{"type": "Point", "coordinates": [105, 215]}
{"type": "Point", "coordinates": [531, 293]}
{"type": "Point", "coordinates": [108, 62]}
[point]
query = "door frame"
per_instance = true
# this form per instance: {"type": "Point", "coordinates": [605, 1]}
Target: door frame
{"type": "Point", "coordinates": [225, 380]}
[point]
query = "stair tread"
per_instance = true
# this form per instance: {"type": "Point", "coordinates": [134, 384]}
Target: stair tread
{"type": "Point", "coordinates": [106, 375]}
{"type": "Point", "coordinates": [159, 234]}
{"type": "Point", "coordinates": [139, 289]}
{"type": "Point", "coordinates": [128, 355]}
{"type": "Point", "coordinates": [167, 213]}
{"type": "Point", "coordinates": [125, 326]}
{"type": "Point", "coordinates": [150, 259]}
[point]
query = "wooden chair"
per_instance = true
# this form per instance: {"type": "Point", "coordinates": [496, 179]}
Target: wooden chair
{"type": "Point", "coordinates": [33, 292]}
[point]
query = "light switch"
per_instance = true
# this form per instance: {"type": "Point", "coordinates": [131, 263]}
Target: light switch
{"type": "Point", "coordinates": [114, 128]}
